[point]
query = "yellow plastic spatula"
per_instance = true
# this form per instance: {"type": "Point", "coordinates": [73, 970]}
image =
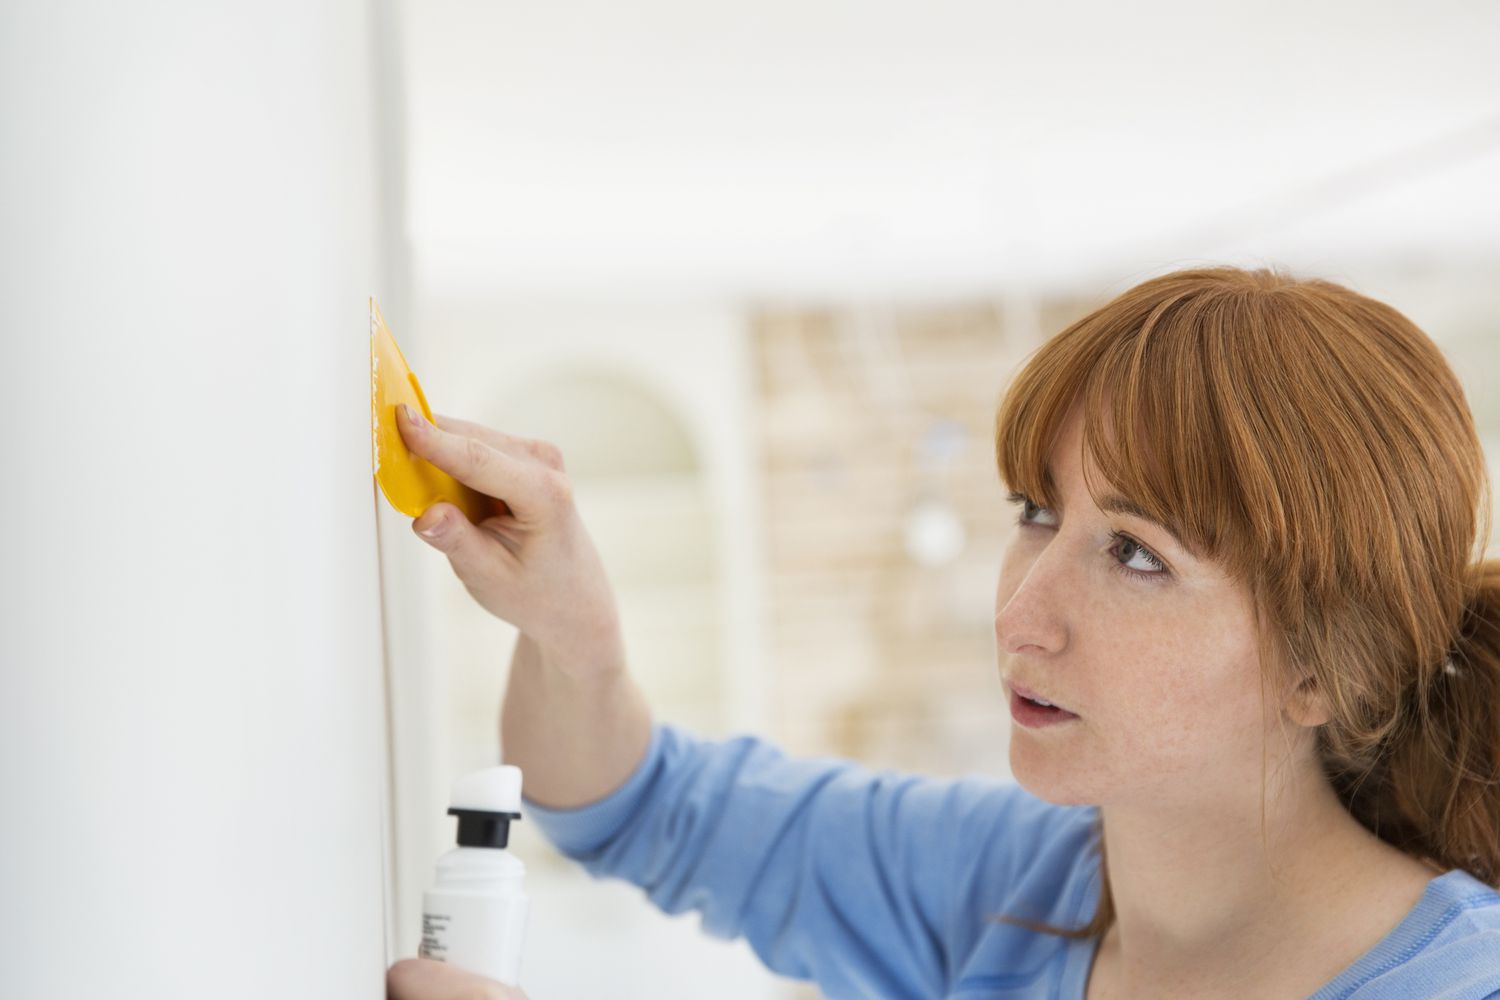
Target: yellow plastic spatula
{"type": "Point", "coordinates": [409, 482]}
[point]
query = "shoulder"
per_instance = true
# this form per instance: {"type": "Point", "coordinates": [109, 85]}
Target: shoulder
{"type": "Point", "coordinates": [1019, 856]}
{"type": "Point", "coordinates": [1005, 828]}
{"type": "Point", "coordinates": [1448, 948]}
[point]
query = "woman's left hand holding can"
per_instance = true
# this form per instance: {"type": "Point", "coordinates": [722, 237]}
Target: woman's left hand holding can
{"type": "Point", "coordinates": [426, 979]}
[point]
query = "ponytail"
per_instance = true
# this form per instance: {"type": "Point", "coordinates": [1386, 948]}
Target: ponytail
{"type": "Point", "coordinates": [1442, 788]}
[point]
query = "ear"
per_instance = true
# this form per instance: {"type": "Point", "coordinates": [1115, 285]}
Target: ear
{"type": "Point", "coordinates": [1305, 705]}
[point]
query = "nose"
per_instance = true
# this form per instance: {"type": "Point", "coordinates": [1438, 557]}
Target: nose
{"type": "Point", "coordinates": [1029, 615]}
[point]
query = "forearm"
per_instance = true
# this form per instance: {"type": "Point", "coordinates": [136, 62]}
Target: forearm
{"type": "Point", "coordinates": [575, 735]}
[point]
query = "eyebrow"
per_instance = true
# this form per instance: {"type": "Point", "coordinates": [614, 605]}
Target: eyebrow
{"type": "Point", "coordinates": [1117, 503]}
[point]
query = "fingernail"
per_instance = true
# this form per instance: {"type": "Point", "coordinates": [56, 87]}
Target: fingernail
{"type": "Point", "coordinates": [413, 416]}
{"type": "Point", "coordinates": [432, 530]}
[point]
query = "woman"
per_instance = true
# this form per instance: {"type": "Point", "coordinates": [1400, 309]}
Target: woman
{"type": "Point", "coordinates": [1245, 575]}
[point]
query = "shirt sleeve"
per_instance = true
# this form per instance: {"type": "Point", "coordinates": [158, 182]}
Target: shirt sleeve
{"type": "Point", "coordinates": [832, 872]}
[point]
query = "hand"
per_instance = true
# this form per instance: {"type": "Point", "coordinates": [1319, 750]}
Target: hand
{"type": "Point", "coordinates": [426, 979]}
{"type": "Point", "coordinates": [535, 567]}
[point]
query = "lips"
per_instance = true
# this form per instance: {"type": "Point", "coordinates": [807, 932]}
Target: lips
{"type": "Point", "coordinates": [1026, 692]}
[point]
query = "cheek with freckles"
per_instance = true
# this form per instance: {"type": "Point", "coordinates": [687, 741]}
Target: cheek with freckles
{"type": "Point", "coordinates": [1190, 708]}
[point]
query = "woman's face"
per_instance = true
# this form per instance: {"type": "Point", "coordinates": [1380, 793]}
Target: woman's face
{"type": "Point", "coordinates": [1153, 650]}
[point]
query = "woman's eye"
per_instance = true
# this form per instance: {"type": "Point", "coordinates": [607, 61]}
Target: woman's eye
{"type": "Point", "coordinates": [1029, 509]}
{"type": "Point", "coordinates": [1127, 550]}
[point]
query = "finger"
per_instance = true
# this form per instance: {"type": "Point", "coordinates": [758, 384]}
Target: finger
{"type": "Point", "coordinates": [475, 463]}
{"type": "Point", "coordinates": [471, 549]}
{"type": "Point", "coordinates": [506, 530]}
{"type": "Point", "coordinates": [428, 979]}
{"type": "Point", "coordinates": [543, 451]}
{"type": "Point", "coordinates": [508, 443]}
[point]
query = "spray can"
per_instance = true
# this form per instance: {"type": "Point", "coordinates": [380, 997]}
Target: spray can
{"type": "Point", "coordinates": [474, 916]}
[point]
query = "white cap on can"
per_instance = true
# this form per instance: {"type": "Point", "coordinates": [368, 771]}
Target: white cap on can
{"type": "Point", "coordinates": [493, 789]}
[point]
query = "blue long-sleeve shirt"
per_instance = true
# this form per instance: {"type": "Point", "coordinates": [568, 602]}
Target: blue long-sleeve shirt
{"type": "Point", "coordinates": [878, 884]}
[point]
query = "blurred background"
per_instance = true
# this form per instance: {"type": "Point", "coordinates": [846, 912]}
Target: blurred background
{"type": "Point", "coordinates": [762, 271]}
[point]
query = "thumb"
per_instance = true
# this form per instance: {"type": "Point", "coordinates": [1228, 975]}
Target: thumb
{"type": "Point", "coordinates": [470, 549]}
{"type": "Point", "coordinates": [441, 526]}
{"type": "Point", "coordinates": [475, 553]}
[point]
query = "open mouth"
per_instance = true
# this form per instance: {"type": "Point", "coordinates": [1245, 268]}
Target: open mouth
{"type": "Point", "coordinates": [1030, 712]}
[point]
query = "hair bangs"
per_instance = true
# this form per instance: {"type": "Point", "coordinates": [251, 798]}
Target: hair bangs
{"type": "Point", "coordinates": [1148, 370]}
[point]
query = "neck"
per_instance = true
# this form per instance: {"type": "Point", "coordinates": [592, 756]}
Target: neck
{"type": "Point", "coordinates": [1202, 901]}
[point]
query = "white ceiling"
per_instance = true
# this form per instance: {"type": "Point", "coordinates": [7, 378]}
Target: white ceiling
{"type": "Point", "coordinates": [793, 149]}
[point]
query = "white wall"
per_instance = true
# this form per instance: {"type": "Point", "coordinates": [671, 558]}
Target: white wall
{"type": "Point", "coordinates": [192, 742]}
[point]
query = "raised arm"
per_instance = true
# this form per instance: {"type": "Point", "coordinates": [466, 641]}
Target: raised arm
{"type": "Point", "coordinates": [831, 871]}
{"type": "Point", "coordinates": [869, 883]}
{"type": "Point", "coordinates": [573, 720]}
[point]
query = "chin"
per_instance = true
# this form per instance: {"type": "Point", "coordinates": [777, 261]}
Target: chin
{"type": "Point", "coordinates": [1051, 777]}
